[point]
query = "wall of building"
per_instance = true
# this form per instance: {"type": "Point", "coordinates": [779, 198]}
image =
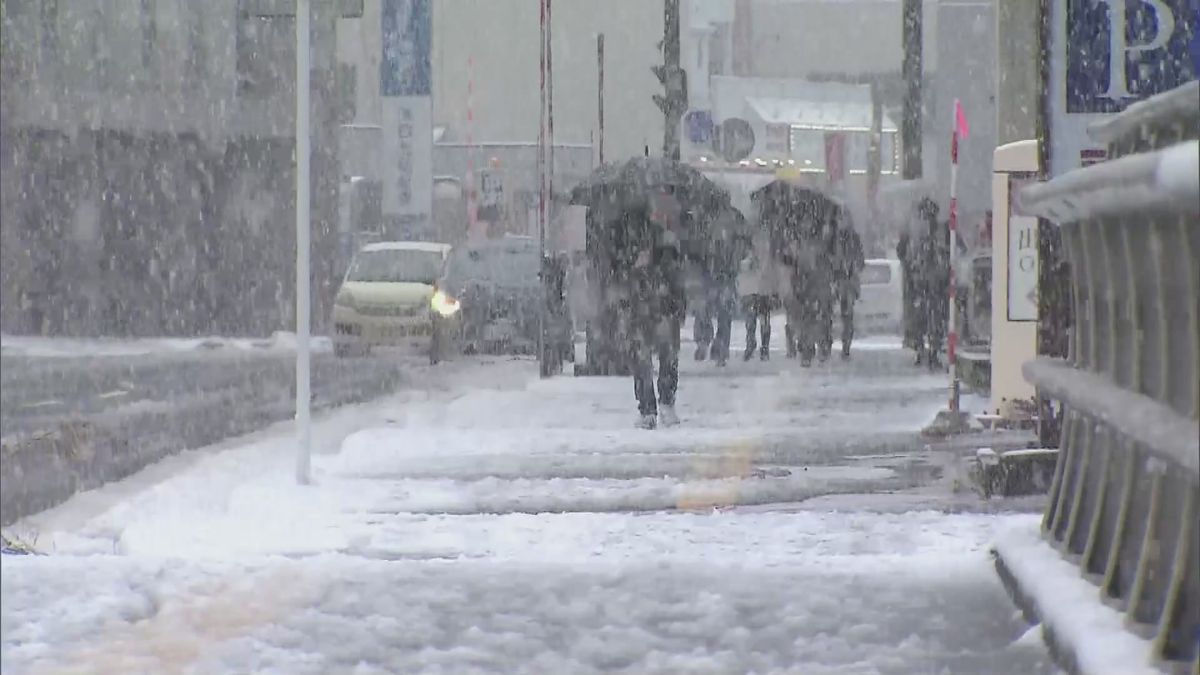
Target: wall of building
{"type": "Point", "coordinates": [965, 39]}
{"type": "Point", "coordinates": [147, 163]}
{"type": "Point", "coordinates": [502, 37]}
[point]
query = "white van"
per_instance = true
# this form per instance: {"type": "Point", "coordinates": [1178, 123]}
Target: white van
{"type": "Point", "coordinates": [880, 307]}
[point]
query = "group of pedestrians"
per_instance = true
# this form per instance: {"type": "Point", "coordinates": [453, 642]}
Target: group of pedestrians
{"type": "Point", "coordinates": [812, 275]}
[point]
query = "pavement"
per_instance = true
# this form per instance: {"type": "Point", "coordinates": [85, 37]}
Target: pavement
{"type": "Point", "coordinates": [796, 522]}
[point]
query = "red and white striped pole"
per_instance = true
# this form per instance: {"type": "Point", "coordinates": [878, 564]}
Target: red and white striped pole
{"type": "Point", "coordinates": [960, 128]}
{"type": "Point", "coordinates": [472, 205]}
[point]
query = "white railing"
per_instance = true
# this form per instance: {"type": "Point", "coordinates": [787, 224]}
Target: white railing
{"type": "Point", "coordinates": [1126, 493]}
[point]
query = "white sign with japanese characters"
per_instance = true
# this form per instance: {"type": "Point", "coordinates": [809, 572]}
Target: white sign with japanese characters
{"type": "Point", "coordinates": [1022, 268]}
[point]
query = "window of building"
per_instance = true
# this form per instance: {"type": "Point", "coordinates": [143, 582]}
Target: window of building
{"type": "Point", "coordinates": [347, 87]}
{"type": "Point", "coordinates": [265, 48]}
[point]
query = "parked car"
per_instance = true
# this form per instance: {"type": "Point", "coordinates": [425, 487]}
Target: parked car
{"type": "Point", "coordinates": [384, 299]}
{"type": "Point", "coordinates": [880, 307]}
{"type": "Point", "coordinates": [490, 298]}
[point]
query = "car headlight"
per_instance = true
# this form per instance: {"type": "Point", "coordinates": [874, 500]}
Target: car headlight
{"type": "Point", "coordinates": [444, 304]}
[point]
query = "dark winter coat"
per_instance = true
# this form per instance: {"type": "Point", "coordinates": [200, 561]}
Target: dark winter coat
{"type": "Point", "coordinates": [650, 270]}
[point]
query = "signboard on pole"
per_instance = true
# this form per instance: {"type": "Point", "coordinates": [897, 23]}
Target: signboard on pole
{"type": "Point", "coordinates": [1022, 254]}
{"type": "Point", "coordinates": [698, 125]}
{"type": "Point", "coordinates": [406, 87]}
{"type": "Point", "coordinates": [835, 157]}
{"type": "Point", "coordinates": [491, 195]}
{"type": "Point", "coordinates": [736, 139]}
{"type": "Point", "coordinates": [1105, 55]}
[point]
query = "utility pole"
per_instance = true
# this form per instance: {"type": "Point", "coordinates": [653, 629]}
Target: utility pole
{"type": "Point", "coordinates": [600, 90]}
{"type": "Point", "coordinates": [673, 101]}
{"type": "Point", "coordinates": [303, 231]}
{"type": "Point", "coordinates": [543, 183]}
{"type": "Point", "coordinates": [910, 128]}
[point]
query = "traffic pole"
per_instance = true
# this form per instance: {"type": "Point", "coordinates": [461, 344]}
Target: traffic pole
{"type": "Point", "coordinates": [472, 203]}
{"type": "Point", "coordinates": [303, 287]}
{"type": "Point", "coordinates": [952, 420]}
{"type": "Point", "coordinates": [550, 102]}
{"type": "Point", "coordinates": [543, 16]}
{"type": "Point", "coordinates": [600, 91]}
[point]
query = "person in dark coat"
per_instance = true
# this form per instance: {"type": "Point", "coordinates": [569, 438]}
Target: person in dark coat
{"type": "Point", "coordinates": [655, 309]}
{"type": "Point", "coordinates": [849, 262]}
{"type": "Point", "coordinates": [806, 252]}
{"type": "Point", "coordinates": [904, 253]}
{"type": "Point", "coordinates": [935, 288]}
{"type": "Point", "coordinates": [718, 293]}
{"type": "Point", "coordinates": [928, 272]}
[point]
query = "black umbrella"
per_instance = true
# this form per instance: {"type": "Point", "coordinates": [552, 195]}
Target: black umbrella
{"type": "Point", "coordinates": [796, 209]}
{"type": "Point", "coordinates": [645, 175]}
{"type": "Point", "coordinates": [615, 189]}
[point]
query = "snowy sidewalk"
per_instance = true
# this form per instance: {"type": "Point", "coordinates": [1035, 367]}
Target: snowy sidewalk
{"type": "Point", "coordinates": [507, 524]}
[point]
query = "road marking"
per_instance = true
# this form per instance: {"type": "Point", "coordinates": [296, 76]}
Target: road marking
{"type": "Point", "coordinates": [41, 404]}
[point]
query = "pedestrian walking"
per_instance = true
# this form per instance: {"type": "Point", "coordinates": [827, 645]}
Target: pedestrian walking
{"type": "Point", "coordinates": [849, 262]}
{"type": "Point", "coordinates": [807, 297]}
{"type": "Point", "coordinates": [656, 307]}
{"type": "Point", "coordinates": [905, 253]}
{"type": "Point", "coordinates": [718, 272]}
{"type": "Point", "coordinates": [926, 260]}
{"type": "Point", "coordinates": [757, 289]}
{"type": "Point", "coordinates": [935, 282]}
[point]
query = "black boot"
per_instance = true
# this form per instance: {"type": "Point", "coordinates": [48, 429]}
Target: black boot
{"type": "Point", "coordinates": [749, 354]}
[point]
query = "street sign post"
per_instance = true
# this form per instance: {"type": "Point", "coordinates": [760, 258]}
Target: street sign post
{"type": "Point", "coordinates": [303, 288]}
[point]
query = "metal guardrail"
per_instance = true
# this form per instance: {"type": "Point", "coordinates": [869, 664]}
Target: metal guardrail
{"type": "Point", "coordinates": [1157, 122]}
{"type": "Point", "coordinates": [1125, 501]}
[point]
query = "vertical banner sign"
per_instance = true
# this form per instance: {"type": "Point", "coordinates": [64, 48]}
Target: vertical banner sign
{"type": "Point", "coordinates": [405, 85]}
{"type": "Point", "coordinates": [835, 158]}
{"type": "Point", "coordinates": [779, 140]}
{"type": "Point", "coordinates": [1105, 55]}
{"type": "Point", "coordinates": [1022, 253]}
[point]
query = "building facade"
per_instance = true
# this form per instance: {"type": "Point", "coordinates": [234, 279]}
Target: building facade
{"type": "Point", "coordinates": [147, 166]}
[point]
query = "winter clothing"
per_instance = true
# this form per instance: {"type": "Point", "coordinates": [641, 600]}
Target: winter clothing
{"type": "Point", "coordinates": [652, 273]}
{"type": "Point", "coordinates": [925, 259]}
{"type": "Point", "coordinates": [661, 339]}
{"type": "Point", "coordinates": [758, 314]}
{"type": "Point", "coordinates": [849, 263]}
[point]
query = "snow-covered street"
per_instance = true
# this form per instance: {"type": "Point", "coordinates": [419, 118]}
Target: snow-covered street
{"type": "Point", "coordinates": [494, 522]}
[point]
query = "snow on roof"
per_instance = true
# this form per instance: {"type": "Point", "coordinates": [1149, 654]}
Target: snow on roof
{"type": "Point", "coordinates": [431, 246]}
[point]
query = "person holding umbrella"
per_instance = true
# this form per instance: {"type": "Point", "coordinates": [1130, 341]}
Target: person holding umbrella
{"type": "Point", "coordinates": [652, 272]}
{"type": "Point", "coordinates": [757, 288]}
{"type": "Point", "coordinates": [848, 265]}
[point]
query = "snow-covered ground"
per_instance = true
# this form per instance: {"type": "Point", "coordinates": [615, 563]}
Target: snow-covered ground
{"type": "Point", "coordinates": [501, 523]}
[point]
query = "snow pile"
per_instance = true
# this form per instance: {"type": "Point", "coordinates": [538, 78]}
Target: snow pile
{"type": "Point", "coordinates": [1070, 606]}
{"type": "Point", "coordinates": [678, 604]}
{"type": "Point", "coordinates": [56, 347]}
{"type": "Point", "coordinates": [499, 523]}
